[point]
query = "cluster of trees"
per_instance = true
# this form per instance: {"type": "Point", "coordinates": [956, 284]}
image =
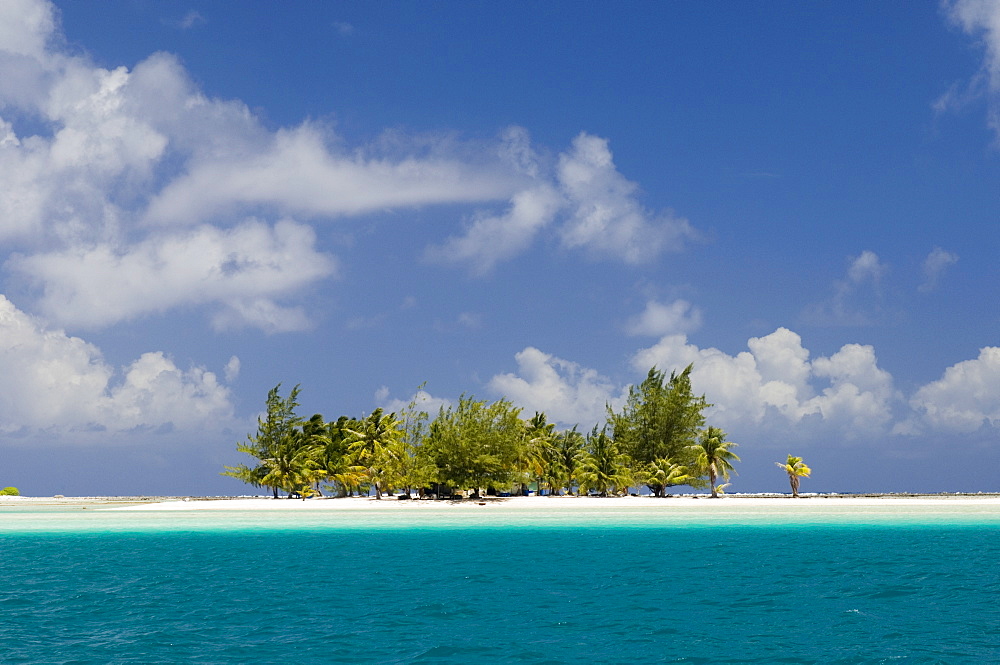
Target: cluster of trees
{"type": "Point", "coordinates": [10, 491]}
{"type": "Point", "coordinates": [658, 440]}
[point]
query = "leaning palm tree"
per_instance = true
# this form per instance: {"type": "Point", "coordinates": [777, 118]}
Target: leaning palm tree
{"type": "Point", "coordinates": [714, 457]}
{"type": "Point", "coordinates": [796, 469]}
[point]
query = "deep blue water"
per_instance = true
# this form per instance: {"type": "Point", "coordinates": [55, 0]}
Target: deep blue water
{"type": "Point", "coordinates": [831, 593]}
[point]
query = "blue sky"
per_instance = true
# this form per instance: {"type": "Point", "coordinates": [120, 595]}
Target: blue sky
{"type": "Point", "coordinates": [199, 200]}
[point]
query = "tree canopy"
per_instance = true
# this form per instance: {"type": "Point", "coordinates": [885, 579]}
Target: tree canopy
{"type": "Point", "coordinates": [658, 439]}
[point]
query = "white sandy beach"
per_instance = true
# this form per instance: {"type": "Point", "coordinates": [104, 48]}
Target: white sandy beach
{"type": "Point", "coordinates": [513, 504]}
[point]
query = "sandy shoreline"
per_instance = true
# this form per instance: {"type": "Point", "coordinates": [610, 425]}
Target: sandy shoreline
{"type": "Point", "coordinates": [518, 504]}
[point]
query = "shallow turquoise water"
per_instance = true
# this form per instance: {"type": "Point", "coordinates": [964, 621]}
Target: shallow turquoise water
{"type": "Point", "coordinates": [166, 588]}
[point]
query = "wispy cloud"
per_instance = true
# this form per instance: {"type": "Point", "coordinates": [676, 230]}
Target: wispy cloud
{"type": "Point", "coordinates": [191, 19]}
{"type": "Point", "coordinates": [979, 19]}
{"type": "Point", "coordinates": [591, 206]}
{"type": "Point", "coordinates": [934, 267]}
{"type": "Point", "coordinates": [857, 299]}
{"type": "Point", "coordinates": [343, 28]}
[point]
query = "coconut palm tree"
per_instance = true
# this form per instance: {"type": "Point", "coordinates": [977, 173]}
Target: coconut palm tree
{"type": "Point", "coordinates": [539, 454]}
{"type": "Point", "coordinates": [375, 446]}
{"type": "Point", "coordinates": [568, 449]}
{"type": "Point", "coordinates": [662, 473]}
{"type": "Point", "coordinates": [796, 469]}
{"type": "Point", "coordinates": [714, 456]}
{"type": "Point", "coordinates": [601, 469]}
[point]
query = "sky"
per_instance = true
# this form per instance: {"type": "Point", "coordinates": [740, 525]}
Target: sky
{"type": "Point", "coordinates": [200, 200]}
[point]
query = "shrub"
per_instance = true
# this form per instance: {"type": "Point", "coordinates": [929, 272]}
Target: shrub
{"type": "Point", "coordinates": [9, 491]}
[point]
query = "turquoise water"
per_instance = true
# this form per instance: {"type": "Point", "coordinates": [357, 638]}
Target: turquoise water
{"type": "Point", "coordinates": [292, 587]}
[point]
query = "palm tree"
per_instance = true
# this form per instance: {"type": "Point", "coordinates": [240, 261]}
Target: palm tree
{"type": "Point", "coordinates": [660, 474]}
{"type": "Point", "coordinates": [714, 456]}
{"type": "Point", "coordinates": [375, 445]}
{"type": "Point", "coordinates": [290, 465]}
{"type": "Point", "coordinates": [539, 453]}
{"type": "Point", "coordinates": [796, 469]}
{"type": "Point", "coordinates": [568, 450]}
{"type": "Point", "coordinates": [601, 468]}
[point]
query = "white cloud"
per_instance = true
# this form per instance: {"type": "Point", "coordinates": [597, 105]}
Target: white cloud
{"type": "Point", "coordinates": [774, 391]}
{"type": "Point", "coordinates": [857, 299]}
{"type": "Point", "coordinates": [491, 239]}
{"type": "Point", "coordinates": [191, 19]}
{"type": "Point", "coordinates": [422, 401]}
{"type": "Point", "coordinates": [604, 216]}
{"type": "Point", "coordinates": [128, 161]}
{"type": "Point", "coordinates": [59, 384]}
{"type": "Point", "coordinates": [26, 26]}
{"type": "Point", "coordinates": [964, 399]}
{"type": "Point", "coordinates": [934, 266]}
{"type": "Point", "coordinates": [567, 392]}
{"type": "Point", "coordinates": [592, 206]}
{"type": "Point", "coordinates": [866, 267]}
{"type": "Point", "coordinates": [240, 269]}
{"type": "Point", "coordinates": [232, 370]}
{"type": "Point", "coordinates": [775, 385]}
{"type": "Point", "coordinates": [980, 19]}
{"type": "Point", "coordinates": [297, 174]}
{"type": "Point", "coordinates": [140, 174]}
{"type": "Point", "coordinates": [660, 319]}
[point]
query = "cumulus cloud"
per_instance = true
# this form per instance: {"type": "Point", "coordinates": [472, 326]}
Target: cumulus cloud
{"type": "Point", "coordinates": [421, 399]}
{"type": "Point", "coordinates": [934, 266]}
{"type": "Point", "coordinates": [567, 392]}
{"type": "Point", "coordinates": [240, 269]}
{"type": "Point", "coordinates": [59, 384]}
{"type": "Point", "coordinates": [660, 319]}
{"type": "Point", "coordinates": [857, 299]}
{"type": "Point", "coordinates": [774, 390]}
{"type": "Point", "coordinates": [776, 384]}
{"type": "Point", "coordinates": [965, 399]}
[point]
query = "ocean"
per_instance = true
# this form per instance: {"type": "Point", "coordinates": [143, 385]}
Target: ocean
{"type": "Point", "coordinates": [454, 588]}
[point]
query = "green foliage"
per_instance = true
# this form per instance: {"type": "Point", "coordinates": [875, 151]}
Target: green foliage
{"type": "Point", "coordinates": [476, 444]}
{"type": "Point", "coordinates": [796, 470]}
{"type": "Point", "coordinates": [412, 469]}
{"type": "Point", "coordinates": [286, 457]}
{"type": "Point", "coordinates": [603, 468]}
{"type": "Point", "coordinates": [714, 457]}
{"type": "Point", "coordinates": [662, 473]}
{"type": "Point", "coordinates": [568, 451]}
{"type": "Point", "coordinates": [10, 491]}
{"type": "Point", "coordinates": [376, 445]}
{"type": "Point", "coordinates": [654, 441]}
{"type": "Point", "coordinates": [538, 463]}
{"type": "Point", "coordinates": [660, 420]}
{"type": "Point", "coordinates": [338, 464]}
